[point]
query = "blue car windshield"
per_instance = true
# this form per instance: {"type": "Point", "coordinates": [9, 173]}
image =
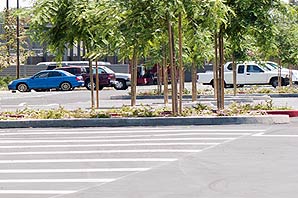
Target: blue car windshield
{"type": "Point", "coordinates": [66, 73]}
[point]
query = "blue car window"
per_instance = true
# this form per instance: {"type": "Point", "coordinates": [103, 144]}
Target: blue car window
{"type": "Point", "coordinates": [42, 75]}
{"type": "Point", "coordinates": [54, 74]}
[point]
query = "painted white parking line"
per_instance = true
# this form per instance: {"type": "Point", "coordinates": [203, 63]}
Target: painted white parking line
{"type": "Point", "coordinates": [29, 106]}
{"type": "Point", "coordinates": [110, 140]}
{"type": "Point", "coordinates": [37, 192]}
{"type": "Point", "coordinates": [57, 180]}
{"type": "Point", "coordinates": [126, 132]}
{"type": "Point", "coordinates": [130, 130]}
{"type": "Point", "coordinates": [127, 136]}
{"type": "Point", "coordinates": [271, 135]}
{"type": "Point", "coordinates": [105, 151]}
{"type": "Point", "coordinates": [73, 170]}
{"type": "Point", "coordinates": [131, 141]}
{"type": "Point", "coordinates": [22, 104]}
{"type": "Point", "coordinates": [89, 160]}
{"type": "Point", "coordinates": [113, 145]}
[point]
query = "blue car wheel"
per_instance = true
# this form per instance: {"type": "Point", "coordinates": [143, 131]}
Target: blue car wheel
{"type": "Point", "coordinates": [65, 86]}
{"type": "Point", "coordinates": [22, 87]}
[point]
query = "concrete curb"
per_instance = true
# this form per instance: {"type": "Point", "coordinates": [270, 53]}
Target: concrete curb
{"type": "Point", "coordinates": [290, 113]}
{"type": "Point", "coordinates": [148, 121]}
{"type": "Point", "coordinates": [283, 95]}
{"type": "Point", "coordinates": [253, 96]}
{"type": "Point", "coordinates": [199, 97]}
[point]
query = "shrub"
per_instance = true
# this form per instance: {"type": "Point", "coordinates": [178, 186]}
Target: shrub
{"type": "Point", "coordinates": [4, 81]}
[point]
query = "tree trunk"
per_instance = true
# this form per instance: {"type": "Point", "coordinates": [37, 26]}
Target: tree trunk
{"type": "Point", "coordinates": [215, 66]}
{"type": "Point", "coordinates": [173, 73]}
{"type": "Point", "coordinates": [134, 78]}
{"type": "Point", "coordinates": [18, 44]}
{"type": "Point", "coordinates": [220, 101]}
{"type": "Point", "coordinates": [91, 84]}
{"type": "Point", "coordinates": [234, 75]}
{"type": "Point", "coordinates": [180, 65]}
{"type": "Point", "coordinates": [194, 81]}
{"type": "Point", "coordinates": [159, 79]}
{"type": "Point", "coordinates": [279, 73]}
{"type": "Point", "coordinates": [291, 75]}
{"type": "Point", "coordinates": [165, 77]}
{"type": "Point", "coordinates": [7, 13]}
{"type": "Point", "coordinates": [97, 85]}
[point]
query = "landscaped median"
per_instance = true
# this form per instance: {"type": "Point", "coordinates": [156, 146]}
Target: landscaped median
{"type": "Point", "coordinates": [144, 121]}
{"type": "Point", "coordinates": [144, 115]}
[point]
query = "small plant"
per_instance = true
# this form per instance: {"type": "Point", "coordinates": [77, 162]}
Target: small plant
{"type": "Point", "coordinates": [242, 109]}
{"type": "Point", "coordinates": [186, 92]}
{"type": "Point", "coordinates": [286, 90]}
{"type": "Point", "coordinates": [265, 90]}
{"type": "Point", "coordinates": [205, 91]}
{"type": "Point", "coordinates": [100, 114]}
{"type": "Point", "coordinates": [4, 81]}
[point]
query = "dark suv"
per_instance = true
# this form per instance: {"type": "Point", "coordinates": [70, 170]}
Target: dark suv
{"type": "Point", "coordinates": [106, 76]}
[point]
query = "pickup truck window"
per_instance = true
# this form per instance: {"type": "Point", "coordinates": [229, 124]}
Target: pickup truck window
{"type": "Point", "coordinates": [230, 66]}
{"type": "Point", "coordinates": [241, 69]}
{"type": "Point", "coordinates": [254, 69]}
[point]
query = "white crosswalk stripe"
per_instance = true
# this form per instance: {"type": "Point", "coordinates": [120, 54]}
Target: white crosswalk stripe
{"type": "Point", "coordinates": [36, 157]}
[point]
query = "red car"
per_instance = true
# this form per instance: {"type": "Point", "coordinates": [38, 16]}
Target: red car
{"type": "Point", "coordinates": [106, 76]}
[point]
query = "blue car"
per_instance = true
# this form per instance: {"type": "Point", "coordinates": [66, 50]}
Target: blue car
{"type": "Point", "coordinates": [46, 80]}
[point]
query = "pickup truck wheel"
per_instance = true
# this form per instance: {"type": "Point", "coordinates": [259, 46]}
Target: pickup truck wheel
{"type": "Point", "coordinates": [120, 85]}
{"type": "Point", "coordinates": [284, 82]}
{"type": "Point", "coordinates": [274, 82]}
{"type": "Point", "coordinates": [225, 85]}
{"type": "Point", "coordinates": [212, 83]}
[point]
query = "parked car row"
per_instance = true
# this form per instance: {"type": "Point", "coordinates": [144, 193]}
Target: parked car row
{"type": "Point", "coordinates": [68, 77]}
{"type": "Point", "coordinates": [122, 80]}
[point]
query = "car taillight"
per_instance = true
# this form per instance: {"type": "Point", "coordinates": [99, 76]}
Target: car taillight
{"type": "Point", "coordinates": [111, 76]}
{"type": "Point", "coordinates": [79, 78]}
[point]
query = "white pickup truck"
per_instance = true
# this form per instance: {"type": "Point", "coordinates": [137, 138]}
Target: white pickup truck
{"type": "Point", "coordinates": [247, 74]}
{"type": "Point", "coordinates": [271, 66]}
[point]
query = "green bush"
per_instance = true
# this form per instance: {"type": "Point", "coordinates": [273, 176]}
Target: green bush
{"type": "Point", "coordinates": [4, 81]}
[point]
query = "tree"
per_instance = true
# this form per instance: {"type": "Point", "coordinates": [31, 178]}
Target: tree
{"type": "Point", "coordinates": [8, 46]}
{"type": "Point", "coordinates": [285, 40]}
{"type": "Point", "coordinates": [136, 29]}
{"type": "Point", "coordinates": [59, 23]}
{"type": "Point", "coordinates": [198, 41]}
